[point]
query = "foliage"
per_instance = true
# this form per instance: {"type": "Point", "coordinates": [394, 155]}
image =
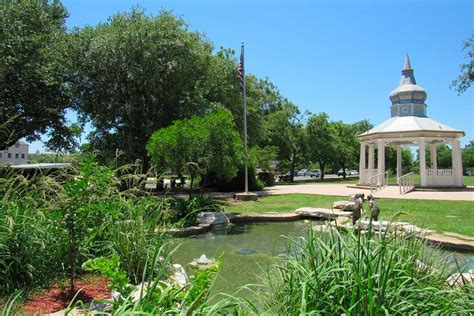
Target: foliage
{"type": "Point", "coordinates": [265, 157]}
{"type": "Point", "coordinates": [202, 146]}
{"type": "Point", "coordinates": [30, 241]}
{"type": "Point", "coordinates": [468, 156]}
{"type": "Point", "coordinates": [362, 274]}
{"type": "Point", "coordinates": [321, 144]}
{"type": "Point", "coordinates": [136, 74]}
{"type": "Point", "coordinates": [73, 215]}
{"type": "Point", "coordinates": [35, 87]}
{"type": "Point", "coordinates": [285, 131]}
{"type": "Point", "coordinates": [391, 160]}
{"type": "Point", "coordinates": [110, 269]}
{"type": "Point", "coordinates": [465, 79]}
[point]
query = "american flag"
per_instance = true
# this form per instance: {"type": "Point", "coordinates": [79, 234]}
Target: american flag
{"type": "Point", "coordinates": [240, 70]}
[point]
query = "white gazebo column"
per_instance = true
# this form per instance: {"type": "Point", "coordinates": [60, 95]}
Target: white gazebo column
{"type": "Point", "coordinates": [457, 162]}
{"type": "Point", "coordinates": [399, 161]}
{"type": "Point", "coordinates": [370, 166]}
{"type": "Point", "coordinates": [434, 159]}
{"type": "Point", "coordinates": [380, 161]}
{"type": "Point", "coordinates": [362, 173]}
{"type": "Point", "coordinates": [422, 158]}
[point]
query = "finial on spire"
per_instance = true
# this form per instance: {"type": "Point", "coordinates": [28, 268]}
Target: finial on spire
{"type": "Point", "coordinates": [407, 73]}
{"type": "Point", "coordinates": [407, 64]}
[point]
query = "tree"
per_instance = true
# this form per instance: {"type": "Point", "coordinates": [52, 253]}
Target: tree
{"type": "Point", "coordinates": [321, 143]}
{"type": "Point", "coordinates": [391, 159]}
{"type": "Point", "coordinates": [468, 156]}
{"type": "Point", "coordinates": [346, 144]}
{"type": "Point", "coordinates": [136, 74]}
{"type": "Point", "coordinates": [286, 132]}
{"type": "Point", "coordinates": [202, 146]}
{"type": "Point", "coordinates": [34, 73]}
{"type": "Point", "coordinates": [465, 79]}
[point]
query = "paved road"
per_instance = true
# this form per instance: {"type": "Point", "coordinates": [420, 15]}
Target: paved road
{"type": "Point", "coordinates": [388, 192]}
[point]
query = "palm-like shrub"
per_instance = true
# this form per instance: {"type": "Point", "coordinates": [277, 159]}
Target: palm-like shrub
{"type": "Point", "coordinates": [363, 274]}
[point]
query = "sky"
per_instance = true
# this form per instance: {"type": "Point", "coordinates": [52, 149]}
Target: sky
{"type": "Point", "coordinates": [339, 57]}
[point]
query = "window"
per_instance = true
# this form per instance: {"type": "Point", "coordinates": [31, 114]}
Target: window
{"type": "Point", "coordinates": [22, 156]}
{"type": "Point", "coordinates": [17, 156]}
{"type": "Point", "coordinates": [1, 155]}
{"type": "Point", "coordinates": [17, 145]}
{"type": "Point", "coordinates": [9, 155]}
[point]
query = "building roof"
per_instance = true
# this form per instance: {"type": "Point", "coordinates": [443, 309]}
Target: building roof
{"type": "Point", "coordinates": [42, 165]}
{"type": "Point", "coordinates": [400, 125]}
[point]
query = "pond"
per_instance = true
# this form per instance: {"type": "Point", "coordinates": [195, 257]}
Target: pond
{"type": "Point", "coordinates": [246, 249]}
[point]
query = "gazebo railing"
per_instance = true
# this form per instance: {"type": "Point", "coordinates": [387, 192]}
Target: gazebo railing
{"type": "Point", "coordinates": [439, 177]}
{"type": "Point", "coordinates": [406, 183]}
{"type": "Point", "coordinates": [378, 181]}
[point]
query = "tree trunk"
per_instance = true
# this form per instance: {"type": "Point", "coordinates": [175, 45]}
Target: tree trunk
{"type": "Point", "coordinates": [322, 165]}
{"type": "Point", "coordinates": [292, 171]}
{"type": "Point", "coordinates": [344, 171]}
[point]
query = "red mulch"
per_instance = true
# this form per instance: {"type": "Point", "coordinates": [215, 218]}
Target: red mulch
{"type": "Point", "coordinates": [58, 297]}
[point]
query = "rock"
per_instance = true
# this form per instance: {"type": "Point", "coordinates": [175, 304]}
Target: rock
{"type": "Point", "coordinates": [341, 205]}
{"type": "Point", "coordinates": [178, 277]}
{"type": "Point", "coordinates": [320, 213]}
{"type": "Point", "coordinates": [202, 262]}
{"type": "Point", "coordinates": [213, 218]}
{"type": "Point", "coordinates": [461, 279]}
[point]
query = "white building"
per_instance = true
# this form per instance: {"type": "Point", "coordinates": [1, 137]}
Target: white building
{"type": "Point", "coordinates": [16, 154]}
{"type": "Point", "coordinates": [409, 125]}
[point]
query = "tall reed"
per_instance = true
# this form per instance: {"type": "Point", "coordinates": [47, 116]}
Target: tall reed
{"type": "Point", "coordinates": [362, 274]}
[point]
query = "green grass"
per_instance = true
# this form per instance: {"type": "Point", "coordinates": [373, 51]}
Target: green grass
{"type": "Point", "coordinates": [468, 180]}
{"type": "Point", "coordinates": [442, 216]}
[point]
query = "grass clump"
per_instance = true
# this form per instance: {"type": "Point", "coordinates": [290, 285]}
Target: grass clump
{"type": "Point", "coordinates": [369, 274]}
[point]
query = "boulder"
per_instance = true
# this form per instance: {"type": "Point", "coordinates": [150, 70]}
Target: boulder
{"type": "Point", "coordinates": [213, 218]}
{"type": "Point", "coordinates": [320, 213]}
{"type": "Point", "coordinates": [177, 277]}
{"type": "Point", "coordinates": [341, 205]}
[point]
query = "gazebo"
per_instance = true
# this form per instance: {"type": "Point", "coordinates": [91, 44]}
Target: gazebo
{"type": "Point", "coordinates": [409, 125]}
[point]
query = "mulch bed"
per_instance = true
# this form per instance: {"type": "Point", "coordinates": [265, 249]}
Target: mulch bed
{"type": "Point", "coordinates": [58, 296]}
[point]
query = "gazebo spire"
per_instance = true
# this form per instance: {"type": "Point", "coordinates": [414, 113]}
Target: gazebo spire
{"type": "Point", "coordinates": [407, 73]}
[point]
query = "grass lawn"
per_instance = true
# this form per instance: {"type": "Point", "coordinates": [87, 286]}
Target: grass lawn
{"type": "Point", "coordinates": [442, 216]}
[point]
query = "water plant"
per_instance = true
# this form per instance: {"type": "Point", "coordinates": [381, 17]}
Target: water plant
{"type": "Point", "coordinates": [359, 274]}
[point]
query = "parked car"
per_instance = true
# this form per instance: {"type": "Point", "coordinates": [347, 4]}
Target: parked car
{"type": "Point", "coordinates": [303, 173]}
{"type": "Point", "coordinates": [354, 172]}
{"type": "Point", "coordinates": [315, 173]}
{"type": "Point", "coordinates": [341, 172]}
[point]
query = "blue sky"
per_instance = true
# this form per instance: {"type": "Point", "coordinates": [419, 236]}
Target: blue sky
{"type": "Point", "coordinates": [339, 57]}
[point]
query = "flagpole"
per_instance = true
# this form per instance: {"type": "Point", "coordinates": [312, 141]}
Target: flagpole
{"type": "Point", "coordinates": [244, 101]}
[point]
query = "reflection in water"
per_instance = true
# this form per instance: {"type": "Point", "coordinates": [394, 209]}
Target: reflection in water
{"type": "Point", "coordinates": [262, 244]}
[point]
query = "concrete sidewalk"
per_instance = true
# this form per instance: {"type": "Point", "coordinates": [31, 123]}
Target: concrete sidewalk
{"type": "Point", "coordinates": [391, 192]}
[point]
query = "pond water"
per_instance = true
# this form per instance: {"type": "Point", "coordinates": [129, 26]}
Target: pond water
{"type": "Point", "coordinates": [246, 249]}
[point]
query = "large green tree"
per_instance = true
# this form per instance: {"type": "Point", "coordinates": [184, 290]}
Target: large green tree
{"type": "Point", "coordinates": [34, 81]}
{"type": "Point", "coordinates": [136, 74]}
{"type": "Point", "coordinates": [321, 141]}
{"type": "Point", "coordinates": [285, 130]}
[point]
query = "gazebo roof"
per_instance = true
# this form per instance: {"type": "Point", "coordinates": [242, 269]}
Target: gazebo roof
{"type": "Point", "coordinates": [409, 126]}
